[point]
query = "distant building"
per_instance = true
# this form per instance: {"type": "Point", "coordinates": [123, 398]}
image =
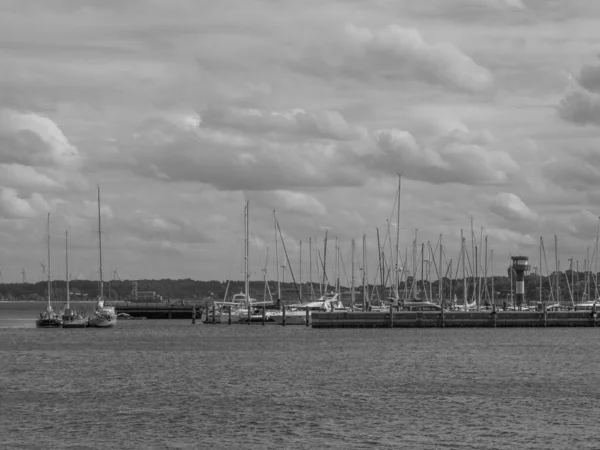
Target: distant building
{"type": "Point", "coordinates": [144, 296]}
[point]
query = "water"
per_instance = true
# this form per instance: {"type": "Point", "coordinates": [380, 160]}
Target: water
{"type": "Point", "coordinates": [163, 384]}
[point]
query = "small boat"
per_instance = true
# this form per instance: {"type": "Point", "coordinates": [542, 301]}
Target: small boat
{"type": "Point", "coordinates": [48, 318]}
{"type": "Point", "coordinates": [104, 316]}
{"type": "Point", "coordinates": [296, 314]}
{"type": "Point", "coordinates": [71, 319]}
{"type": "Point", "coordinates": [126, 316]}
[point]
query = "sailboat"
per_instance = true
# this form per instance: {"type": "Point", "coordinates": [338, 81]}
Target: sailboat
{"type": "Point", "coordinates": [237, 308]}
{"type": "Point", "coordinates": [48, 318]}
{"type": "Point", "coordinates": [70, 318]}
{"type": "Point", "coordinates": [104, 316]}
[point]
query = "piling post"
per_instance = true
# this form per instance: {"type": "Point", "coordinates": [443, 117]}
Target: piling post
{"type": "Point", "coordinates": [391, 315]}
{"type": "Point", "coordinates": [307, 316]}
{"type": "Point", "coordinates": [249, 315]}
{"type": "Point", "coordinates": [193, 314]}
{"type": "Point", "coordinates": [545, 314]}
{"type": "Point", "coordinates": [594, 314]}
{"type": "Point", "coordinates": [443, 316]}
{"type": "Point", "coordinates": [213, 313]}
{"type": "Point", "coordinates": [264, 316]}
{"type": "Point", "coordinates": [229, 315]}
{"type": "Point", "coordinates": [283, 314]}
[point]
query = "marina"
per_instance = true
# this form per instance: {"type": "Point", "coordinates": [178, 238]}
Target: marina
{"type": "Point", "coordinates": [454, 319]}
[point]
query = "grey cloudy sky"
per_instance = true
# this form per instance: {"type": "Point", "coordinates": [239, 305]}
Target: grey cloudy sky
{"type": "Point", "coordinates": [182, 110]}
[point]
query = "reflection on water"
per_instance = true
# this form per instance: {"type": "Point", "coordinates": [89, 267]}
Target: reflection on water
{"type": "Point", "coordinates": [169, 384]}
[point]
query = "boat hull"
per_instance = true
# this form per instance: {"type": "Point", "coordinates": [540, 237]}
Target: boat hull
{"type": "Point", "coordinates": [104, 318]}
{"type": "Point", "coordinates": [48, 323]}
{"type": "Point", "coordinates": [102, 322]}
{"type": "Point", "coordinates": [77, 323]}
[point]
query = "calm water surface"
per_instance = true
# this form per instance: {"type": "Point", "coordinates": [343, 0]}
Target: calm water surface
{"type": "Point", "coordinates": [163, 384]}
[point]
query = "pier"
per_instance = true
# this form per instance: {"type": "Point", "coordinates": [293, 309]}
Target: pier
{"type": "Point", "coordinates": [447, 319]}
{"type": "Point", "coordinates": [156, 310]}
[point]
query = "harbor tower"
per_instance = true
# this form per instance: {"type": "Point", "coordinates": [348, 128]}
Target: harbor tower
{"type": "Point", "coordinates": [520, 264]}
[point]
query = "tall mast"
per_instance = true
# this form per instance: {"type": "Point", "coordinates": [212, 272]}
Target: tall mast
{"type": "Point", "coordinates": [492, 269]}
{"type": "Point", "coordinates": [300, 270]}
{"type": "Point", "coordinates": [364, 275]}
{"type": "Point", "coordinates": [337, 267]}
{"type": "Point", "coordinates": [246, 277]}
{"type": "Point", "coordinates": [67, 264]}
{"type": "Point", "coordinates": [557, 274]}
{"type": "Point", "coordinates": [381, 268]}
{"type": "Point", "coordinates": [588, 274]}
{"type": "Point", "coordinates": [423, 267]}
{"type": "Point", "coordinates": [48, 245]}
{"type": "Point", "coordinates": [540, 269]}
{"type": "Point", "coordinates": [596, 268]}
{"type": "Point", "coordinates": [100, 247]}
{"type": "Point", "coordinates": [441, 276]}
{"type": "Point", "coordinates": [352, 293]}
{"type": "Point", "coordinates": [512, 303]}
{"type": "Point", "coordinates": [324, 264]}
{"type": "Point", "coordinates": [475, 282]}
{"type": "Point", "coordinates": [397, 274]}
{"type": "Point", "coordinates": [485, 267]}
{"type": "Point", "coordinates": [462, 239]}
{"type": "Point", "coordinates": [277, 258]}
{"type": "Point", "coordinates": [312, 290]}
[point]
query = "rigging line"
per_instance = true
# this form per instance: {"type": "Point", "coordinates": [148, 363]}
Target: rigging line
{"type": "Point", "coordinates": [547, 272]}
{"type": "Point", "coordinates": [288, 261]}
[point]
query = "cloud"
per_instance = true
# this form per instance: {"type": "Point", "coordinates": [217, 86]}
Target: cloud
{"type": "Point", "coordinates": [288, 202]}
{"type": "Point", "coordinates": [581, 102]}
{"type": "Point", "coordinates": [35, 140]}
{"type": "Point", "coordinates": [583, 224]}
{"type": "Point", "coordinates": [90, 210]}
{"type": "Point", "coordinates": [510, 207]}
{"type": "Point", "coordinates": [589, 78]}
{"type": "Point", "coordinates": [153, 228]}
{"type": "Point", "coordinates": [402, 52]}
{"type": "Point", "coordinates": [574, 169]}
{"type": "Point", "coordinates": [26, 177]}
{"type": "Point", "coordinates": [14, 207]}
{"type": "Point", "coordinates": [232, 159]}
{"type": "Point", "coordinates": [454, 157]}
{"type": "Point", "coordinates": [320, 124]}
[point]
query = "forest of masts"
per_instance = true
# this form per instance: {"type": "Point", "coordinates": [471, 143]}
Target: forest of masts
{"type": "Point", "coordinates": [427, 273]}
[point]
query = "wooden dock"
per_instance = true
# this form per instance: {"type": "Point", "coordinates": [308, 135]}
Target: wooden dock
{"type": "Point", "coordinates": [434, 319]}
{"type": "Point", "coordinates": [160, 310]}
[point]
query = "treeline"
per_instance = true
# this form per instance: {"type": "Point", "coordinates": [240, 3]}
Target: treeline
{"type": "Point", "coordinates": [571, 284]}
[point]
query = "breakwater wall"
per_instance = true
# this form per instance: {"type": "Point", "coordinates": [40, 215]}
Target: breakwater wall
{"type": "Point", "coordinates": [433, 319]}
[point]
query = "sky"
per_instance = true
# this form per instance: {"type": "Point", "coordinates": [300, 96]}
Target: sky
{"type": "Point", "coordinates": [182, 111]}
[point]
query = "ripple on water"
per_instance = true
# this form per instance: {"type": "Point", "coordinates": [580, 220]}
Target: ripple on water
{"type": "Point", "coordinates": [167, 384]}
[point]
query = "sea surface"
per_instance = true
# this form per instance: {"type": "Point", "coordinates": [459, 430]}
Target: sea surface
{"type": "Point", "coordinates": [169, 384]}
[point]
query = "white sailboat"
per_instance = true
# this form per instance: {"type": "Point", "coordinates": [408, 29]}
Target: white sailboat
{"type": "Point", "coordinates": [238, 306]}
{"type": "Point", "coordinates": [71, 319]}
{"type": "Point", "coordinates": [48, 318]}
{"type": "Point", "coordinates": [104, 316]}
{"type": "Point", "coordinates": [296, 314]}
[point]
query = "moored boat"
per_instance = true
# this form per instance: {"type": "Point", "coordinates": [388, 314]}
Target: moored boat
{"type": "Point", "coordinates": [76, 322]}
{"type": "Point", "coordinates": [296, 314]}
{"type": "Point", "coordinates": [48, 318]}
{"type": "Point", "coordinates": [125, 316]}
{"type": "Point", "coordinates": [104, 316]}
